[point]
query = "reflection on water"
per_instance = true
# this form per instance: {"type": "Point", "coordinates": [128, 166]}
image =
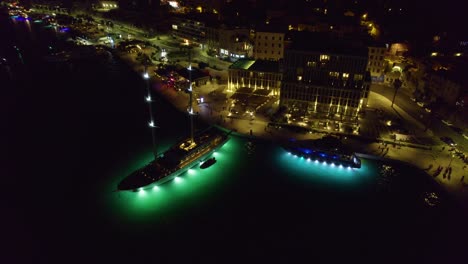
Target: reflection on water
{"type": "Point", "coordinates": [431, 199]}
{"type": "Point", "coordinates": [385, 179]}
{"type": "Point", "coordinates": [249, 147]}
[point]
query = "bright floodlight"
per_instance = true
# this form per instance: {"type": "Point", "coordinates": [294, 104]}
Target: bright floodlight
{"type": "Point", "coordinates": [146, 75]}
{"type": "Point", "coordinates": [151, 124]}
{"type": "Point", "coordinates": [156, 188]}
{"type": "Point", "coordinates": [148, 98]}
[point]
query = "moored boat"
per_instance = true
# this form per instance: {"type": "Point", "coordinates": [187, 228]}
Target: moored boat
{"type": "Point", "coordinates": [327, 149]}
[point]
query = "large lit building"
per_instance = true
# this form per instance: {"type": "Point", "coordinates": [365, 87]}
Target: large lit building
{"type": "Point", "coordinates": [255, 74]}
{"type": "Point", "coordinates": [193, 30]}
{"type": "Point", "coordinates": [324, 78]}
{"type": "Point", "coordinates": [232, 42]}
{"type": "Point", "coordinates": [269, 45]}
{"type": "Point", "coordinates": [376, 63]}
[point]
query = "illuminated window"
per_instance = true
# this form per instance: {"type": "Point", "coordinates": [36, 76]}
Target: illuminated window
{"type": "Point", "coordinates": [324, 58]}
{"type": "Point", "coordinates": [311, 64]}
{"type": "Point", "coordinates": [334, 74]}
{"type": "Point", "coordinates": [345, 75]}
{"type": "Point", "coordinates": [357, 77]}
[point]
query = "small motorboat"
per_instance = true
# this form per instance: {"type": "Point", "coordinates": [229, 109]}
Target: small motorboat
{"type": "Point", "coordinates": [208, 163]}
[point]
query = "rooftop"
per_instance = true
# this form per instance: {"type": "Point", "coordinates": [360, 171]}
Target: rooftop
{"type": "Point", "coordinates": [256, 65]}
{"type": "Point", "coordinates": [242, 64]}
{"type": "Point", "coordinates": [322, 42]}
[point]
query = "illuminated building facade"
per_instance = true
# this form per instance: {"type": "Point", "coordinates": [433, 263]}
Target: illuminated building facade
{"type": "Point", "coordinates": [324, 79]}
{"type": "Point", "coordinates": [189, 29]}
{"type": "Point", "coordinates": [229, 42]}
{"type": "Point", "coordinates": [106, 5]}
{"type": "Point", "coordinates": [256, 74]}
{"type": "Point", "coordinates": [376, 63]}
{"type": "Point", "coordinates": [269, 45]}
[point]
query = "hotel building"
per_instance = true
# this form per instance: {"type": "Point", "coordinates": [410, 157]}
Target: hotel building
{"type": "Point", "coordinates": [268, 45]}
{"type": "Point", "coordinates": [324, 78]}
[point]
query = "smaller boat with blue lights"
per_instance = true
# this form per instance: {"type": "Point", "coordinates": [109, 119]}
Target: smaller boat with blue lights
{"type": "Point", "coordinates": [327, 149]}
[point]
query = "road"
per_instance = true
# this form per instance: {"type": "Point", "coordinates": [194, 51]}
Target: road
{"type": "Point", "coordinates": [435, 124]}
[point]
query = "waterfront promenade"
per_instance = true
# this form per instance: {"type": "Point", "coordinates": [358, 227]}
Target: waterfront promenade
{"type": "Point", "coordinates": [214, 111]}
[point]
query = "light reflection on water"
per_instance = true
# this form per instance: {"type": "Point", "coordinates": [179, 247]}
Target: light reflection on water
{"type": "Point", "coordinates": [242, 162]}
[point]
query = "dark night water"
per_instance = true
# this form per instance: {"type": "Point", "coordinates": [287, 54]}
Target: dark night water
{"type": "Point", "coordinates": [72, 132]}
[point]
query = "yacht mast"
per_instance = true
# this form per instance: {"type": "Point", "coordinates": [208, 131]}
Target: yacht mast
{"type": "Point", "coordinates": [190, 109]}
{"type": "Point", "coordinates": [151, 122]}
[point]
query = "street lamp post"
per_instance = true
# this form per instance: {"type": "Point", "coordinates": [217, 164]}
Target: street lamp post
{"type": "Point", "coordinates": [190, 90]}
{"type": "Point", "coordinates": [151, 123]}
{"type": "Point", "coordinates": [396, 85]}
{"type": "Point", "coordinates": [451, 158]}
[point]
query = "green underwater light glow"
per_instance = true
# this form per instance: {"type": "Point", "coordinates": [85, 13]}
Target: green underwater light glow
{"type": "Point", "coordinates": [187, 189]}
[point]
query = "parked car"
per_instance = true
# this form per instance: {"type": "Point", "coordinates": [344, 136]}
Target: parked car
{"type": "Point", "coordinates": [449, 141]}
{"type": "Point", "coordinates": [457, 130]}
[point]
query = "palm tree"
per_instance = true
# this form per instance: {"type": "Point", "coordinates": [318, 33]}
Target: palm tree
{"type": "Point", "coordinates": [396, 85]}
{"type": "Point", "coordinates": [144, 59]}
